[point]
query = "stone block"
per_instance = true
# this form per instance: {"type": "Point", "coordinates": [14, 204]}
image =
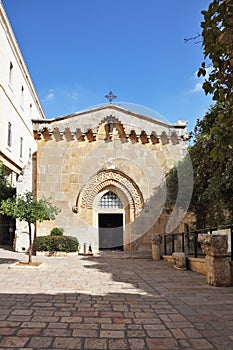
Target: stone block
{"type": "Point", "coordinates": [180, 261]}
{"type": "Point", "coordinates": [218, 271]}
{"type": "Point", "coordinates": [217, 264]}
{"type": "Point", "coordinates": [197, 265]}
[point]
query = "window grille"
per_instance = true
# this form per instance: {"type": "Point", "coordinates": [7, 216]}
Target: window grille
{"type": "Point", "coordinates": [110, 201]}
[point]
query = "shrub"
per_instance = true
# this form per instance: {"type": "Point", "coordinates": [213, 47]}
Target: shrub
{"type": "Point", "coordinates": [56, 244]}
{"type": "Point", "coordinates": [57, 231]}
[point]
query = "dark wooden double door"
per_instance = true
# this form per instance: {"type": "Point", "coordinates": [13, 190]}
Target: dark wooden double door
{"type": "Point", "coordinates": [111, 231]}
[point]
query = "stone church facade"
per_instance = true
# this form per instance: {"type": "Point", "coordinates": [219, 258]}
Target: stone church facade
{"type": "Point", "coordinates": [105, 169]}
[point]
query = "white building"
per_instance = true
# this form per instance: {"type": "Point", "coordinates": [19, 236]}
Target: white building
{"type": "Point", "coordinates": [19, 103]}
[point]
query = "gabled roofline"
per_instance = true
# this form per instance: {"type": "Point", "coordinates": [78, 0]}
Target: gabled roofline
{"type": "Point", "coordinates": [114, 107]}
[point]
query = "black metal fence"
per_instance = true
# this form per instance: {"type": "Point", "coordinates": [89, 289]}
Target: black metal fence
{"type": "Point", "coordinates": [187, 242]}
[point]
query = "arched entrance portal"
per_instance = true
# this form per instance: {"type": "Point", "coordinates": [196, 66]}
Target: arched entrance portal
{"type": "Point", "coordinates": [110, 222]}
{"type": "Point", "coordinates": [109, 203]}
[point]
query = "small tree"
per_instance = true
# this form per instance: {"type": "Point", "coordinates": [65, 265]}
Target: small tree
{"type": "Point", "coordinates": [26, 207]}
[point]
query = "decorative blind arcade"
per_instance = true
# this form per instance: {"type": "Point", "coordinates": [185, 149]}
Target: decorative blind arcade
{"type": "Point", "coordinates": [110, 200]}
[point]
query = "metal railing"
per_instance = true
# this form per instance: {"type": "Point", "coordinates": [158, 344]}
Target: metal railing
{"type": "Point", "coordinates": [187, 242]}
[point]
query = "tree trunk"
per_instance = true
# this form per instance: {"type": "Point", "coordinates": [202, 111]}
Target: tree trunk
{"type": "Point", "coordinates": [30, 244]}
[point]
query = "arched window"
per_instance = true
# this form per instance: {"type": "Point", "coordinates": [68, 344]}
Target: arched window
{"type": "Point", "coordinates": [110, 201]}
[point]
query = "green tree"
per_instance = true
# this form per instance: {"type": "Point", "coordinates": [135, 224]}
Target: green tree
{"type": "Point", "coordinates": [211, 201]}
{"type": "Point", "coordinates": [26, 207]}
{"type": "Point", "coordinates": [5, 189]}
{"type": "Point", "coordinates": [198, 205]}
{"type": "Point", "coordinates": [217, 34]}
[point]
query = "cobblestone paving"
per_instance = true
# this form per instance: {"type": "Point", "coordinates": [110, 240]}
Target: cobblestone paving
{"type": "Point", "coordinates": [110, 302]}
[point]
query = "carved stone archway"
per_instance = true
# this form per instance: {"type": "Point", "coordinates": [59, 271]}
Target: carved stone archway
{"type": "Point", "coordinates": [107, 178]}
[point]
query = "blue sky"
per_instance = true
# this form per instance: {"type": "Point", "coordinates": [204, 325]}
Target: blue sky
{"type": "Point", "coordinates": [78, 50]}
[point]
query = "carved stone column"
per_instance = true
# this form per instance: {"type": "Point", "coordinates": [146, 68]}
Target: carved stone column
{"type": "Point", "coordinates": [156, 240]}
{"type": "Point", "coordinates": [217, 263]}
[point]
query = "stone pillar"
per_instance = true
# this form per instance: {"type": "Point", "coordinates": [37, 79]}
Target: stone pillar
{"type": "Point", "coordinates": [156, 240]}
{"type": "Point", "coordinates": [217, 262]}
{"type": "Point", "coordinates": [24, 183]}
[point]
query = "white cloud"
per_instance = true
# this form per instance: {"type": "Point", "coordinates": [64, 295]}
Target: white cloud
{"type": "Point", "coordinates": [73, 95]}
{"type": "Point", "coordinates": [200, 80]}
{"type": "Point", "coordinates": [197, 87]}
{"type": "Point", "coordinates": [50, 96]}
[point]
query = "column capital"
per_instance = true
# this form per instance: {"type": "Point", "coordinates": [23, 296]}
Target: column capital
{"type": "Point", "coordinates": [213, 245]}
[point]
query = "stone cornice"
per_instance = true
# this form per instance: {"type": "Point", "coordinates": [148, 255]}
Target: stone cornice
{"type": "Point", "coordinates": [107, 123]}
{"type": "Point", "coordinates": [47, 133]}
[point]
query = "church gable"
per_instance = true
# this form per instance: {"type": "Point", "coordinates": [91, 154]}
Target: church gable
{"type": "Point", "coordinates": [106, 123]}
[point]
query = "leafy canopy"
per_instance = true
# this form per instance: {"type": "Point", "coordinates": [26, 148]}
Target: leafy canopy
{"type": "Point", "coordinates": [26, 207]}
{"type": "Point", "coordinates": [217, 33]}
{"type": "Point", "coordinates": [211, 200]}
{"type": "Point", "coordinates": [5, 189]}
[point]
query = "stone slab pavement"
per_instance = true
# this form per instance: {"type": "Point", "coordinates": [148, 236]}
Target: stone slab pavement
{"type": "Point", "coordinates": [111, 301]}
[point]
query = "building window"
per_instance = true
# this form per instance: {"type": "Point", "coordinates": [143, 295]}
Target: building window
{"type": "Point", "coordinates": [30, 111]}
{"type": "Point", "coordinates": [9, 135]}
{"type": "Point", "coordinates": [110, 201]}
{"type": "Point", "coordinates": [30, 153]}
{"type": "Point", "coordinates": [21, 147]}
{"type": "Point", "coordinates": [11, 73]}
{"type": "Point", "coordinates": [22, 96]}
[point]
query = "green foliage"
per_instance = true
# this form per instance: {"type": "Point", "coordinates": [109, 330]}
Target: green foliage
{"type": "Point", "coordinates": [212, 178]}
{"type": "Point", "coordinates": [57, 231]}
{"type": "Point", "coordinates": [57, 244]}
{"type": "Point", "coordinates": [172, 187]}
{"type": "Point", "coordinates": [181, 174]}
{"type": "Point", "coordinates": [26, 207]}
{"type": "Point", "coordinates": [6, 190]}
{"type": "Point", "coordinates": [217, 33]}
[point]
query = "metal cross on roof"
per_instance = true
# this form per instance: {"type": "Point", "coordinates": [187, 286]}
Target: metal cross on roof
{"type": "Point", "coordinates": [110, 96]}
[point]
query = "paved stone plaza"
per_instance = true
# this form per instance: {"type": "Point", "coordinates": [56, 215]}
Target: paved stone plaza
{"type": "Point", "coordinates": [110, 301]}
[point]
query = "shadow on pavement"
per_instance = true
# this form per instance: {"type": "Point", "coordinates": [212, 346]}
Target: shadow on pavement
{"type": "Point", "coordinates": [8, 261]}
{"type": "Point", "coordinates": [116, 303]}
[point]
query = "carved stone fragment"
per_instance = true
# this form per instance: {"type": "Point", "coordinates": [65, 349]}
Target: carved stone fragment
{"type": "Point", "coordinates": [156, 239]}
{"type": "Point", "coordinates": [180, 261]}
{"type": "Point", "coordinates": [213, 245]}
{"type": "Point", "coordinates": [217, 263]}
